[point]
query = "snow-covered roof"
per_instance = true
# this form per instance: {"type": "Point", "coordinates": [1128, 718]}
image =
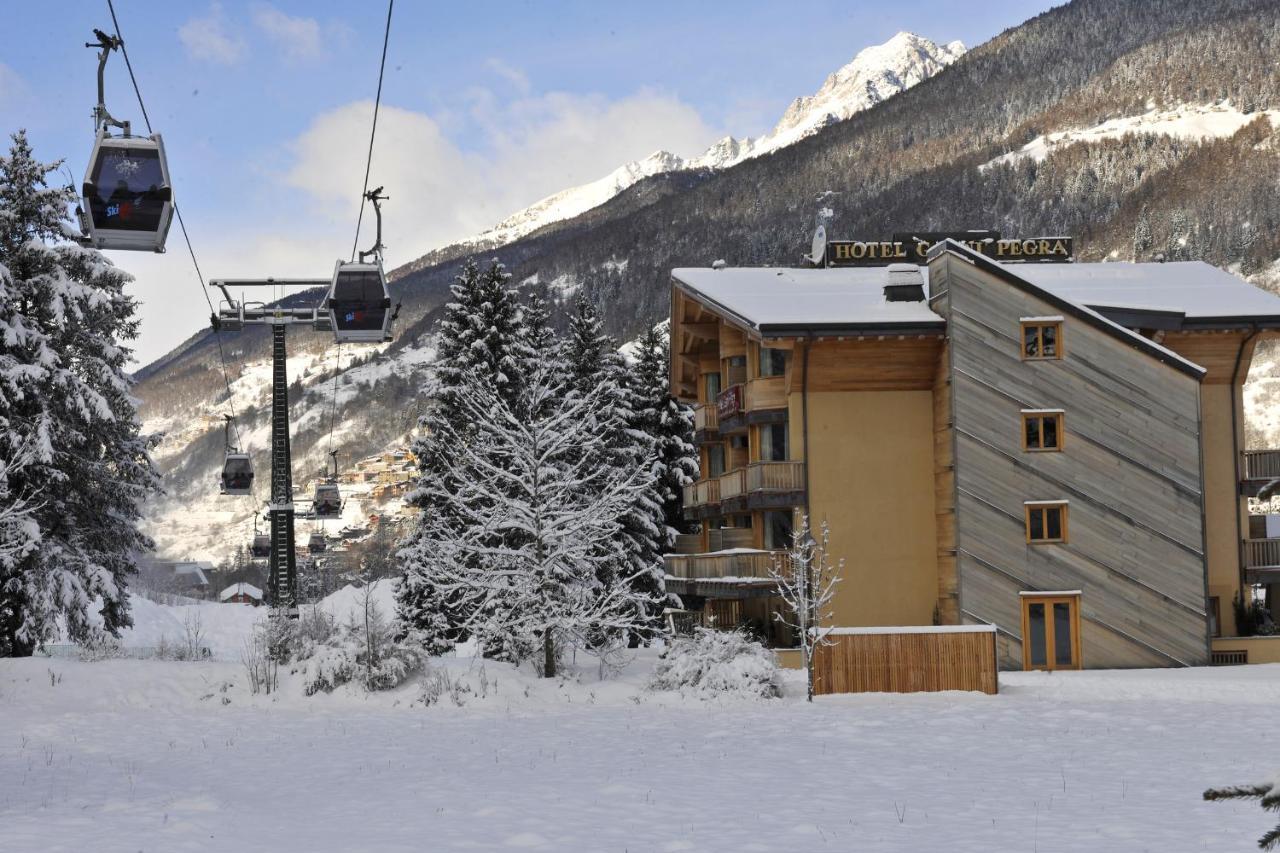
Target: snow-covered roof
{"type": "Point", "coordinates": [240, 589]}
{"type": "Point", "coordinates": [194, 570]}
{"type": "Point", "coordinates": [1198, 290]}
{"type": "Point", "coordinates": [778, 300]}
{"type": "Point", "coordinates": [784, 300]}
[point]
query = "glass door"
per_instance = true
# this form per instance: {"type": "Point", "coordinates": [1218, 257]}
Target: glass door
{"type": "Point", "coordinates": [1051, 631]}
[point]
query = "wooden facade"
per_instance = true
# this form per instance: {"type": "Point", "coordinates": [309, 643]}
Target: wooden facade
{"type": "Point", "coordinates": [895, 661]}
{"type": "Point", "coordinates": [911, 439]}
{"type": "Point", "coordinates": [1130, 472]}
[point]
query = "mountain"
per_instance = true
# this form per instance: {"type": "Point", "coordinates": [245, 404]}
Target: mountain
{"type": "Point", "coordinates": [1140, 127]}
{"type": "Point", "coordinates": [876, 73]}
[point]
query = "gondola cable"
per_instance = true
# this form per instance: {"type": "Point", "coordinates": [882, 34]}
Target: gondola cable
{"type": "Point", "coordinates": [222, 358]}
{"type": "Point", "coordinates": [373, 131]}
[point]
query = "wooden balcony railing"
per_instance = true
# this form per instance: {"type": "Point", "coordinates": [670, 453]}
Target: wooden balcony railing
{"type": "Point", "coordinates": [775, 477]}
{"type": "Point", "coordinates": [1262, 553]}
{"type": "Point", "coordinates": [702, 493]}
{"type": "Point", "coordinates": [704, 417]}
{"type": "Point", "coordinates": [733, 484]}
{"type": "Point", "coordinates": [737, 564]}
{"type": "Point", "coordinates": [1261, 464]}
{"type": "Point", "coordinates": [769, 392]}
{"type": "Point", "coordinates": [687, 543]}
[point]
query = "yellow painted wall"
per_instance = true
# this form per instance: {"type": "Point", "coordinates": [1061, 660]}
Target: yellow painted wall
{"type": "Point", "coordinates": [872, 481]}
{"type": "Point", "coordinates": [1261, 649]}
{"type": "Point", "coordinates": [1222, 503]}
{"type": "Point", "coordinates": [789, 658]}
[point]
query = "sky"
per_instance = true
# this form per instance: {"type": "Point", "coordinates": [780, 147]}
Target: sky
{"type": "Point", "coordinates": [487, 107]}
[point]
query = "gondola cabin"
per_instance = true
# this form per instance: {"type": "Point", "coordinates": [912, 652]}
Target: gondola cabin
{"type": "Point", "coordinates": [359, 303]}
{"type": "Point", "coordinates": [237, 474]}
{"type": "Point", "coordinates": [261, 547]}
{"type": "Point", "coordinates": [127, 197]}
{"type": "Point", "coordinates": [327, 502]}
{"type": "Point", "coordinates": [317, 543]}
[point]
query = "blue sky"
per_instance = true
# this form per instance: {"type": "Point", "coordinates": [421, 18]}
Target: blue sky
{"type": "Point", "coordinates": [488, 107]}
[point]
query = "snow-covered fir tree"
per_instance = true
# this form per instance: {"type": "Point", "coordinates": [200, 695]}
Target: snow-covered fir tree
{"type": "Point", "coordinates": [537, 552]}
{"type": "Point", "coordinates": [478, 342]}
{"type": "Point", "coordinates": [593, 365]}
{"type": "Point", "coordinates": [669, 422]}
{"type": "Point", "coordinates": [70, 442]}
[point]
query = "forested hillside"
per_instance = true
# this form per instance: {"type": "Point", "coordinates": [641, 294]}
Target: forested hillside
{"type": "Point", "coordinates": [930, 158]}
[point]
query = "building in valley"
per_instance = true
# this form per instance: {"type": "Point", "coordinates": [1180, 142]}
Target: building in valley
{"type": "Point", "coordinates": [1055, 449]}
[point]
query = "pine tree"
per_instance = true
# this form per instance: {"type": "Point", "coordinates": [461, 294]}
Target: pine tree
{"type": "Point", "coordinates": [542, 522]}
{"type": "Point", "coordinates": [669, 423]}
{"type": "Point", "coordinates": [478, 342]}
{"type": "Point", "coordinates": [594, 365]}
{"type": "Point", "coordinates": [70, 442]}
{"type": "Point", "coordinates": [1142, 240]}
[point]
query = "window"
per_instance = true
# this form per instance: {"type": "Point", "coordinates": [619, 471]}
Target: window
{"type": "Point", "coordinates": [777, 530]}
{"type": "Point", "coordinates": [773, 443]}
{"type": "Point", "coordinates": [1215, 617]}
{"type": "Point", "coordinates": [1041, 337]}
{"type": "Point", "coordinates": [715, 460]}
{"type": "Point", "coordinates": [737, 369]}
{"type": "Point", "coordinates": [773, 362]}
{"type": "Point", "coordinates": [1051, 630]}
{"type": "Point", "coordinates": [1046, 521]}
{"type": "Point", "coordinates": [1041, 429]}
{"type": "Point", "coordinates": [713, 387]}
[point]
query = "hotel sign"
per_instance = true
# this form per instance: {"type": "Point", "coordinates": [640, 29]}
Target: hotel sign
{"type": "Point", "coordinates": [913, 248]}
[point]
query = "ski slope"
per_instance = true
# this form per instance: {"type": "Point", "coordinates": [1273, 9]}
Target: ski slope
{"type": "Point", "coordinates": [126, 755]}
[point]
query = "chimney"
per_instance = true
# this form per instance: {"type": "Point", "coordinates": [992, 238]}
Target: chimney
{"type": "Point", "coordinates": [903, 283]}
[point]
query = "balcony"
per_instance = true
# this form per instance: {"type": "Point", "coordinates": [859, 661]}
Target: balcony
{"type": "Point", "coordinates": [762, 485]}
{"type": "Point", "coordinates": [1260, 467]}
{"type": "Point", "coordinates": [1262, 560]}
{"type": "Point", "coordinates": [706, 423]}
{"type": "Point", "coordinates": [739, 573]}
{"type": "Point", "coordinates": [701, 498]}
{"type": "Point", "coordinates": [760, 401]}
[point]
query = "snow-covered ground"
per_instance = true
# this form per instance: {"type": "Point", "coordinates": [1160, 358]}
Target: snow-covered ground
{"type": "Point", "coordinates": [126, 755]}
{"type": "Point", "coordinates": [1190, 121]}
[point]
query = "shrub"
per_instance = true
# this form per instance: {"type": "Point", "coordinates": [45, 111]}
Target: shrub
{"type": "Point", "coordinates": [710, 663]}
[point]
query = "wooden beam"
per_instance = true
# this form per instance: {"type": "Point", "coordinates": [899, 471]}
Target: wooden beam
{"type": "Point", "coordinates": [701, 331]}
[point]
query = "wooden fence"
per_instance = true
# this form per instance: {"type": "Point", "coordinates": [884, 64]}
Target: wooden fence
{"type": "Point", "coordinates": [907, 660]}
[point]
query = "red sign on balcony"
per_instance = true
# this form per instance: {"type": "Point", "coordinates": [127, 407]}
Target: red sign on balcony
{"type": "Point", "coordinates": [729, 402]}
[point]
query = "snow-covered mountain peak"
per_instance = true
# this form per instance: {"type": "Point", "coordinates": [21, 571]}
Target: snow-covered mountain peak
{"type": "Point", "coordinates": [876, 73]}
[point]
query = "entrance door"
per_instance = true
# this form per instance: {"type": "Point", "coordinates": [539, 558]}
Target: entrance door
{"type": "Point", "coordinates": [1051, 630]}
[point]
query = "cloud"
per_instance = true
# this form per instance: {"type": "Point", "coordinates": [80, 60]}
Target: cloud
{"type": "Point", "coordinates": [299, 37]}
{"type": "Point", "coordinates": [12, 87]}
{"type": "Point", "coordinates": [524, 150]}
{"type": "Point", "coordinates": [517, 78]}
{"type": "Point", "coordinates": [441, 190]}
{"type": "Point", "coordinates": [208, 39]}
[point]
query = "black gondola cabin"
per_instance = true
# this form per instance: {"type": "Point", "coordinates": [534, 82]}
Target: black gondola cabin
{"type": "Point", "coordinates": [359, 303]}
{"type": "Point", "coordinates": [327, 502]}
{"type": "Point", "coordinates": [127, 198]}
{"type": "Point", "coordinates": [237, 474]}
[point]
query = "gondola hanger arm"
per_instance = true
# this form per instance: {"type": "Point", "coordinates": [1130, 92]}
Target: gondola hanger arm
{"type": "Point", "coordinates": [101, 117]}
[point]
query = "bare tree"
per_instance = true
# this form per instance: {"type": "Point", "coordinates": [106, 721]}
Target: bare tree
{"type": "Point", "coordinates": [807, 580]}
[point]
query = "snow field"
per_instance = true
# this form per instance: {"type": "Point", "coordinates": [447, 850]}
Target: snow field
{"type": "Point", "coordinates": [149, 755]}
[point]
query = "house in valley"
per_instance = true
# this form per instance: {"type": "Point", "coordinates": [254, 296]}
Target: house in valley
{"type": "Point", "coordinates": [1052, 449]}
